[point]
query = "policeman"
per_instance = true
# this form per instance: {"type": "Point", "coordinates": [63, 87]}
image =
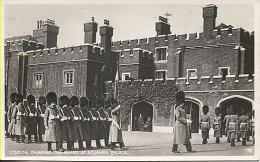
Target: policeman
{"type": "Point", "coordinates": [51, 122]}
{"type": "Point", "coordinates": [41, 110]}
{"type": "Point", "coordinates": [205, 124]}
{"type": "Point", "coordinates": [232, 122]}
{"type": "Point", "coordinates": [31, 119]}
{"type": "Point", "coordinates": [217, 124]}
{"type": "Point", "coordinates": [243, 122]}
{"type": "Point", "coordinates": [9, 114]}
{"type": "Point", "coordinates": [86, 121]}
{"type": "Point", "coordinates": [76, 121]}
{"type": "Point", "coordinates": [66, 130]}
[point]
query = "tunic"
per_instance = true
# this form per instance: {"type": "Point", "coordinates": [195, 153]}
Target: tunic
{"type": "Point", "coordinates": [53, 133]}
{"type": "Point", "coordinates": [181, 135]}
{"type": "Point", "coordinates": [225, 122]}
{"type": "Point", "coordinates": [40, 119]}
{"type": "Point", "coordinates": [31, 120]}
{"type": "Point", "coordinates": [232, 122]}
{"type": "Point", "coordinates": [205, 126]}
{"type": "Point", "coordinates": [76, 123]}
{"type": "Point", "coordinates": [65, 126]}
{"type": "Point", "coordinates": [217, 126]}
{"type": "Point", "coordinates": [9, 117]}
{"type": "Point", "coordinates": [94, 125]}
{"type": "Point", "coordinates": [18, 118]}
{"type": "Point", "coordinates": [243, 125]}
{"type": "Point", "coordinates": [102, 124]}
{"type": "Point", "coordinates": [115, 133]}
{"type": "Point", "coordinates": [86, 124]}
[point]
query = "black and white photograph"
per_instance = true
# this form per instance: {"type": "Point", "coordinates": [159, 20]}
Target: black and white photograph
{"type": "Point", "coordinates": [129, 80]}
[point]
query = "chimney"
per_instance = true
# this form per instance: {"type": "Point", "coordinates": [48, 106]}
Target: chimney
{"type": "Point", "coordinates": [209, 16]}
{"type": "Point", "coordinates": [162, 27]}
{"type": "Point", "coordinates": [47, 33]}
{"type": "Point", "coordinates": [90, 30]}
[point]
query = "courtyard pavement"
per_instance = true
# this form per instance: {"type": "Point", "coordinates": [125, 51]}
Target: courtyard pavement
{"type": "Point", "coordinates": [140, 144]}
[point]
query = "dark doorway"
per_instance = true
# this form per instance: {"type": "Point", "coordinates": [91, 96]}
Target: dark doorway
{"type": "Point", "coordinates": [143, 108]}
{"type": "Point", "coordinates": [192, 111]}
{"type": "Point", "coordinates": [239, 104]}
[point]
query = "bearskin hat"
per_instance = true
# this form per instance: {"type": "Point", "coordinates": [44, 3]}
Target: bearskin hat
{"type": "Point", "coordinates": [30, 99]}
{"type": "Point", "coordinates": [205, 109]}
{"type": "Point", "coordinates": [74, 100]}
{"type": "Point", "coordinates": [51, 97]}
{"type": "Point", "coordinates": [18, 98]}
{"type": "Point", "coordinates": [83, 101]}
{"type": "Point", "coordinates": [63, 100]}
{"type": "Point", "coordinates": [232, 110]}
{"type": "Point", "coordinates": [12, 97]}
{"type": "Point", "coordinates": [217, 110]}
{"type": "Point", "coordinates": [180, 97]}
{"type": "Point", "coordinates": [42, 100]}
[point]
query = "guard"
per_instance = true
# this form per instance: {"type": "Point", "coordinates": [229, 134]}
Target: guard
{"type": "Point", "coordinates": [31, 119]}
{"type": "Point", "coordinates": [243, 122]}
{"type": "Point", "coordinates": [225, 122]}
{"type": "Point", "coordinates": [232, 122]}
{"type": "Point", "coordinates": [94, 124]}
{"type": "Point", "coordinates": [217, 124]}
{"type": "Point", "coordinates": [9, 114]}
{"type": "Point", "coordinates": [41, 111]}
{"type": "Point", "coordinates": [205, 124]}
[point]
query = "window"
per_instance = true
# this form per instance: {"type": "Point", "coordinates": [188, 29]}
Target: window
{"type": "Point", "coordinates": [224, 71]}
{"type": "Point", "coordinates": [160, 75]}
{"type": "Point", "coordinates": [161, 54]}
{"type": "Point", "coordinates": [191, 73]}
{"type": "Point", "coordinates": [68, 76]}
{"type": "Point", "coordinates": [37, 78]}
{"type": "Point", "coordinates": [125, 76]}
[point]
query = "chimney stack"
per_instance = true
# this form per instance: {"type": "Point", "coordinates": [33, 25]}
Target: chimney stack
{"type": "Point", "coordinates": [209, 16]}
{"type": "Point", "coordinates": [90, 30]}
{"type": "Point", "coordinates": [162, 27]}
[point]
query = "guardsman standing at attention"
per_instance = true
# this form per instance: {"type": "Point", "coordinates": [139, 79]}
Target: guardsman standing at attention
{"type": "Point", "coordinates": [232, 122]}
{"type": "Point", "coordinates": [94, 124]}
{"type": "Point", "coordinates": [51, 123]}
{"type": "Point", "coordinates": [102, 122]}
{"type": "Point", "coordinates": [217, 124]}
{"type": "Point", "coordinates": [86, 121]}
{"type": "Point", "coordinates": [31, 119]}
{"type": "Point", "coordinates": [243, 123]}
{"type": "Point", "coordinates": [18, 117]}
{"type": "Point", "coordinates": [181, 135]}
{"type": "Point", "coordinates": [66, 130]}
{"type": "Point", "coordinates": [9, 114]}
{"type": "Point", "coordinates": [205, 124]}
{"type": "Point", "coordinates": [107, 112]}
{"type": "Point", "coordinates": [225, 122]}
{"type": "Point", "coordinates": [76, 121]}
{"type": "Point", "coordinates": [41, 110]}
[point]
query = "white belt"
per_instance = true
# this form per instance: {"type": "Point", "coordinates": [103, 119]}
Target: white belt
{"type": "Point", "coordinates": [243, 123]}
{"type": "Point", "coordinates": [204, 122]}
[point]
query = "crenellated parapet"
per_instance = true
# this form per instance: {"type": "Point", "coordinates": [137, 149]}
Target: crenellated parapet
{"type": "Point", "coordinates": [75, 53]}
{"type": "Point", "coordinates": [23, 45]}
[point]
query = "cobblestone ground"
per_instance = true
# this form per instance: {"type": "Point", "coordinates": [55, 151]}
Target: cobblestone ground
{"type": "Point", "coordinates": [140, 144]}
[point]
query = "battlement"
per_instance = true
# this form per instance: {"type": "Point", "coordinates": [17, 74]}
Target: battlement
{"type": "Point", "coordinates": [209, 83]}
{"type": "Point", "coordinates": [23, 44]}
{"type": "Point", "coordinates": [223, 36]}
{"type": "Point", "coordinates": [75, 53]}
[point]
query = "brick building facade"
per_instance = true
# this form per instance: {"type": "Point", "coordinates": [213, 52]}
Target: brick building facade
{"type": "Point", "coordinates": [214, 68]}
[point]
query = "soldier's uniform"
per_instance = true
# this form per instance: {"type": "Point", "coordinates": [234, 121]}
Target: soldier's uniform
{"type": "Point", "coordinates": [232, 124]}
{"type": "Point", "coordinates": [76, 121]}
{"type": "Point", "coordinates": [86, 121]}
{"type": "Point", "coordinates": [225, 123]}
{"type": "Point", "coordinates": [94, 124]}
{"type": "Point", "coordinates": [18, 118]}
{"type": "Point", "coordinates": [31, 119]}
{"type": "Point", "coordinates": [102, 123]}
{"type": "Point", "coordinates": [107, 113]}
{"type": "Point", "coordinates": [66, 130]}
{"type": "Point", "coordinates": [51, 122]}
{"type": "Point", "coordinates": [40, 117]}
{"type": "Point", "coordinates": [205, 124]}
{"type": "Point", "coordinates": [243, 123]}
{"type": "Point", "coordinates": [181, 135]}
{"type": "Point", "coordinates": [9, 114]}
{"type": "Point", "coordinates": [217, 124]}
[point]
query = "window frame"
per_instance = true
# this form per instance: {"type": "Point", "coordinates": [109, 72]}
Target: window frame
{"type": "Point", "coordinates": [156, 54]}
{"type": "Point", "coordinates": [161, 71]}
{"type": "Point", "coordinates": [228, 71]}
{"type": "Point", "coordinates": [34, 79]}
{"type": "Point", "coordinates": [65, 84]}
{"type": "Point", "coordinates": [189, 77]}
{"type": "Point", "coordinates": [123, 76]}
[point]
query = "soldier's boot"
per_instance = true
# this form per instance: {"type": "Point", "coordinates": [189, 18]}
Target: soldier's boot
{"type": "Point", "coordinates": [106, 142]}
{"type": "Point", "coordinates": [238, 140]}
{"type": "Point", "coordinates": [217, 140]}
{"type": "Point", "coordinates": [88, 144]}
{"type": "Point", "coordinates": [12, 137]}
{"type": "Point", "coordinates": [40, 138]}
{"type": "Point", "coordinates": [98, 144]}
{"type": "Point", "coordinates": [228, 140]}
{"type": "Point", "coordinates": [122, 146]}
{"type": "Point", "coordinates": [243, 141]}
{"type": "Point", "coordinates": [232, 142]}
{"type": "Point", "coordinates": [57, 146]}
{"type": "Point", "coordinates": [36, 138]}
{"type": "Point", "coordinates": [113, 146]}
{"type": "Point", "coordinates": [248, 139]}
{"type": "Point", "coordinates": [23, 138]}
{"type": "Point", "coordinates": [81, 145]}
{"type": "Point", "coordinates": [17, 138]}
{"type": "Point", "coordinates": [69, 145]}
{"type": "Point", "coordinates": [204, 141]}
{"type": "Point", "coordinates": [29, 138]}
{"type": "Point", "coordinates": [189, 148]}
{"type": "Point", "coordinates": [174, 148]}
{"type": "Point", "coordinates": [49, 146]}
{"type": "Point", "coordinates": [60, 146]}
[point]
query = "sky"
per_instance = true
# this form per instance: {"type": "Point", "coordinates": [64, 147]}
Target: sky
{"type": "Point", "coordinates": [129, 21]}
